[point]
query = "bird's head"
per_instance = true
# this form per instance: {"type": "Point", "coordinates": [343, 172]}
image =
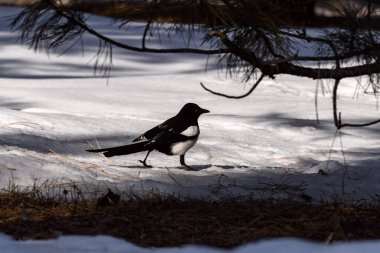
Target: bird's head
{"type": "Point", "coordinates": [192, 110]}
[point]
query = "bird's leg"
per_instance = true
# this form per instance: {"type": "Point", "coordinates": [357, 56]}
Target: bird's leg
{"type": "Point", "coordinates": [182, 161]}
{"type": "Point", "coordinates": [144, 162]}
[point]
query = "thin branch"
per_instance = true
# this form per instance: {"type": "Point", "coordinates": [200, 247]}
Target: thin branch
{"type": "Point", "coordinates": [138, 49]}
{"type": "Point", "coordinates": [270, 69]}
{"type": "Point", "coordinates": [361, 125]}
{"type": "Point", "coordinates": [341, 56]}
{"type": "Point", "coordinates": [235, 97]}
{"type": "Point", "coordinates": [146, 30]}
{"type": "Point", "coordinates": [338, 116]}
{"type": "Point", "coordinates": [337, 120]}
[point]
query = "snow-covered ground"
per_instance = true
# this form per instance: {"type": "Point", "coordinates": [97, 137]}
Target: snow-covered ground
{"type": "Point", "coordinates": [53, 108]}
{"type": "Point", "coordinates": [267, 145]}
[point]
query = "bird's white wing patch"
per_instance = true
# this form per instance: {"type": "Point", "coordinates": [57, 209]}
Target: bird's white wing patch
{"type": "Point", "coordinates": [191, 131]}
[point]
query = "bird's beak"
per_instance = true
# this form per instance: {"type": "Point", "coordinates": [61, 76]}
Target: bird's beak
{"type": "Point", "coordinates": [204, 111]}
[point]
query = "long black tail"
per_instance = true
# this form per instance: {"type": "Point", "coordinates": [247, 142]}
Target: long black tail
{"type": "Point", "coordinates": [123, 150]}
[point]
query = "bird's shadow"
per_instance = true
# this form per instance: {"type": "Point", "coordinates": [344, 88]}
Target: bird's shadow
{"type": "Point", "coordinates": [230, 167]}
{"type": "Point", "coordinates": [198, 167]}
{"type": "Point", "coordinates": [130, 166]}
{"type": "Point", "coordinates": [195, 167]}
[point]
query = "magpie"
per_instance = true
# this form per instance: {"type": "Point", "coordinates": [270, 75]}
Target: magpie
{"type": "Point", "coordinates": [175, 136]}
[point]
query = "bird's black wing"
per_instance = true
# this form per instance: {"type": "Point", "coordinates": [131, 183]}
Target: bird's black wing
{"type": "Point", "coordinates": [150, 134]}
{"type": "Point", "coordinates": [168, 137]}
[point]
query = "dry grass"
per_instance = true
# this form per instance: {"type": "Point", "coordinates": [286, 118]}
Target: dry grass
{"type": "Point", "coordinates": [167, 221]}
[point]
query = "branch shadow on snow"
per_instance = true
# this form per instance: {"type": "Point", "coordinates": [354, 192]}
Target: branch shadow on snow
{"type": "Point", "coordinates": [345, 145]}
{"type": "Point", "coordinates": [78, 146]}
{"type": "Point", "coordinates": [65, 145]}
{"type": "Point", "coordinates": [282, 120]}
{"type": "Point", "coordinates": [24, 69]}
{"type": "Point", "coordinates": [14, 105]}
{"type": "Point", "coordinates": [73, 145]}
{"type": "Point", "coordinates": [300, 180]}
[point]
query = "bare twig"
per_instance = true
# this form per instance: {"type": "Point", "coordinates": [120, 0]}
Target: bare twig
{"type": "Point", "coordinates": [235, 97]}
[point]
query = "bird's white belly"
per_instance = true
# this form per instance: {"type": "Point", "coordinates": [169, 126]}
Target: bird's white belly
{"type": "Point", "coordinates": [180, 148]}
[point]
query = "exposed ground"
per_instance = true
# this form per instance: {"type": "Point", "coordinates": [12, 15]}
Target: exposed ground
{"type": "Point", "coordinates": [166, 221]}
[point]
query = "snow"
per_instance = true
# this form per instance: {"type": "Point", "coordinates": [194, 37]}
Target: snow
{"type": "Point", "coordinates": [267, 145]}
{"type": "Point", "coordinates": [106, 244]}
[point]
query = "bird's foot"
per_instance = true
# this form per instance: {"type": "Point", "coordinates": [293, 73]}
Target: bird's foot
{"type": "Point", "coordinates": [145, 164]}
